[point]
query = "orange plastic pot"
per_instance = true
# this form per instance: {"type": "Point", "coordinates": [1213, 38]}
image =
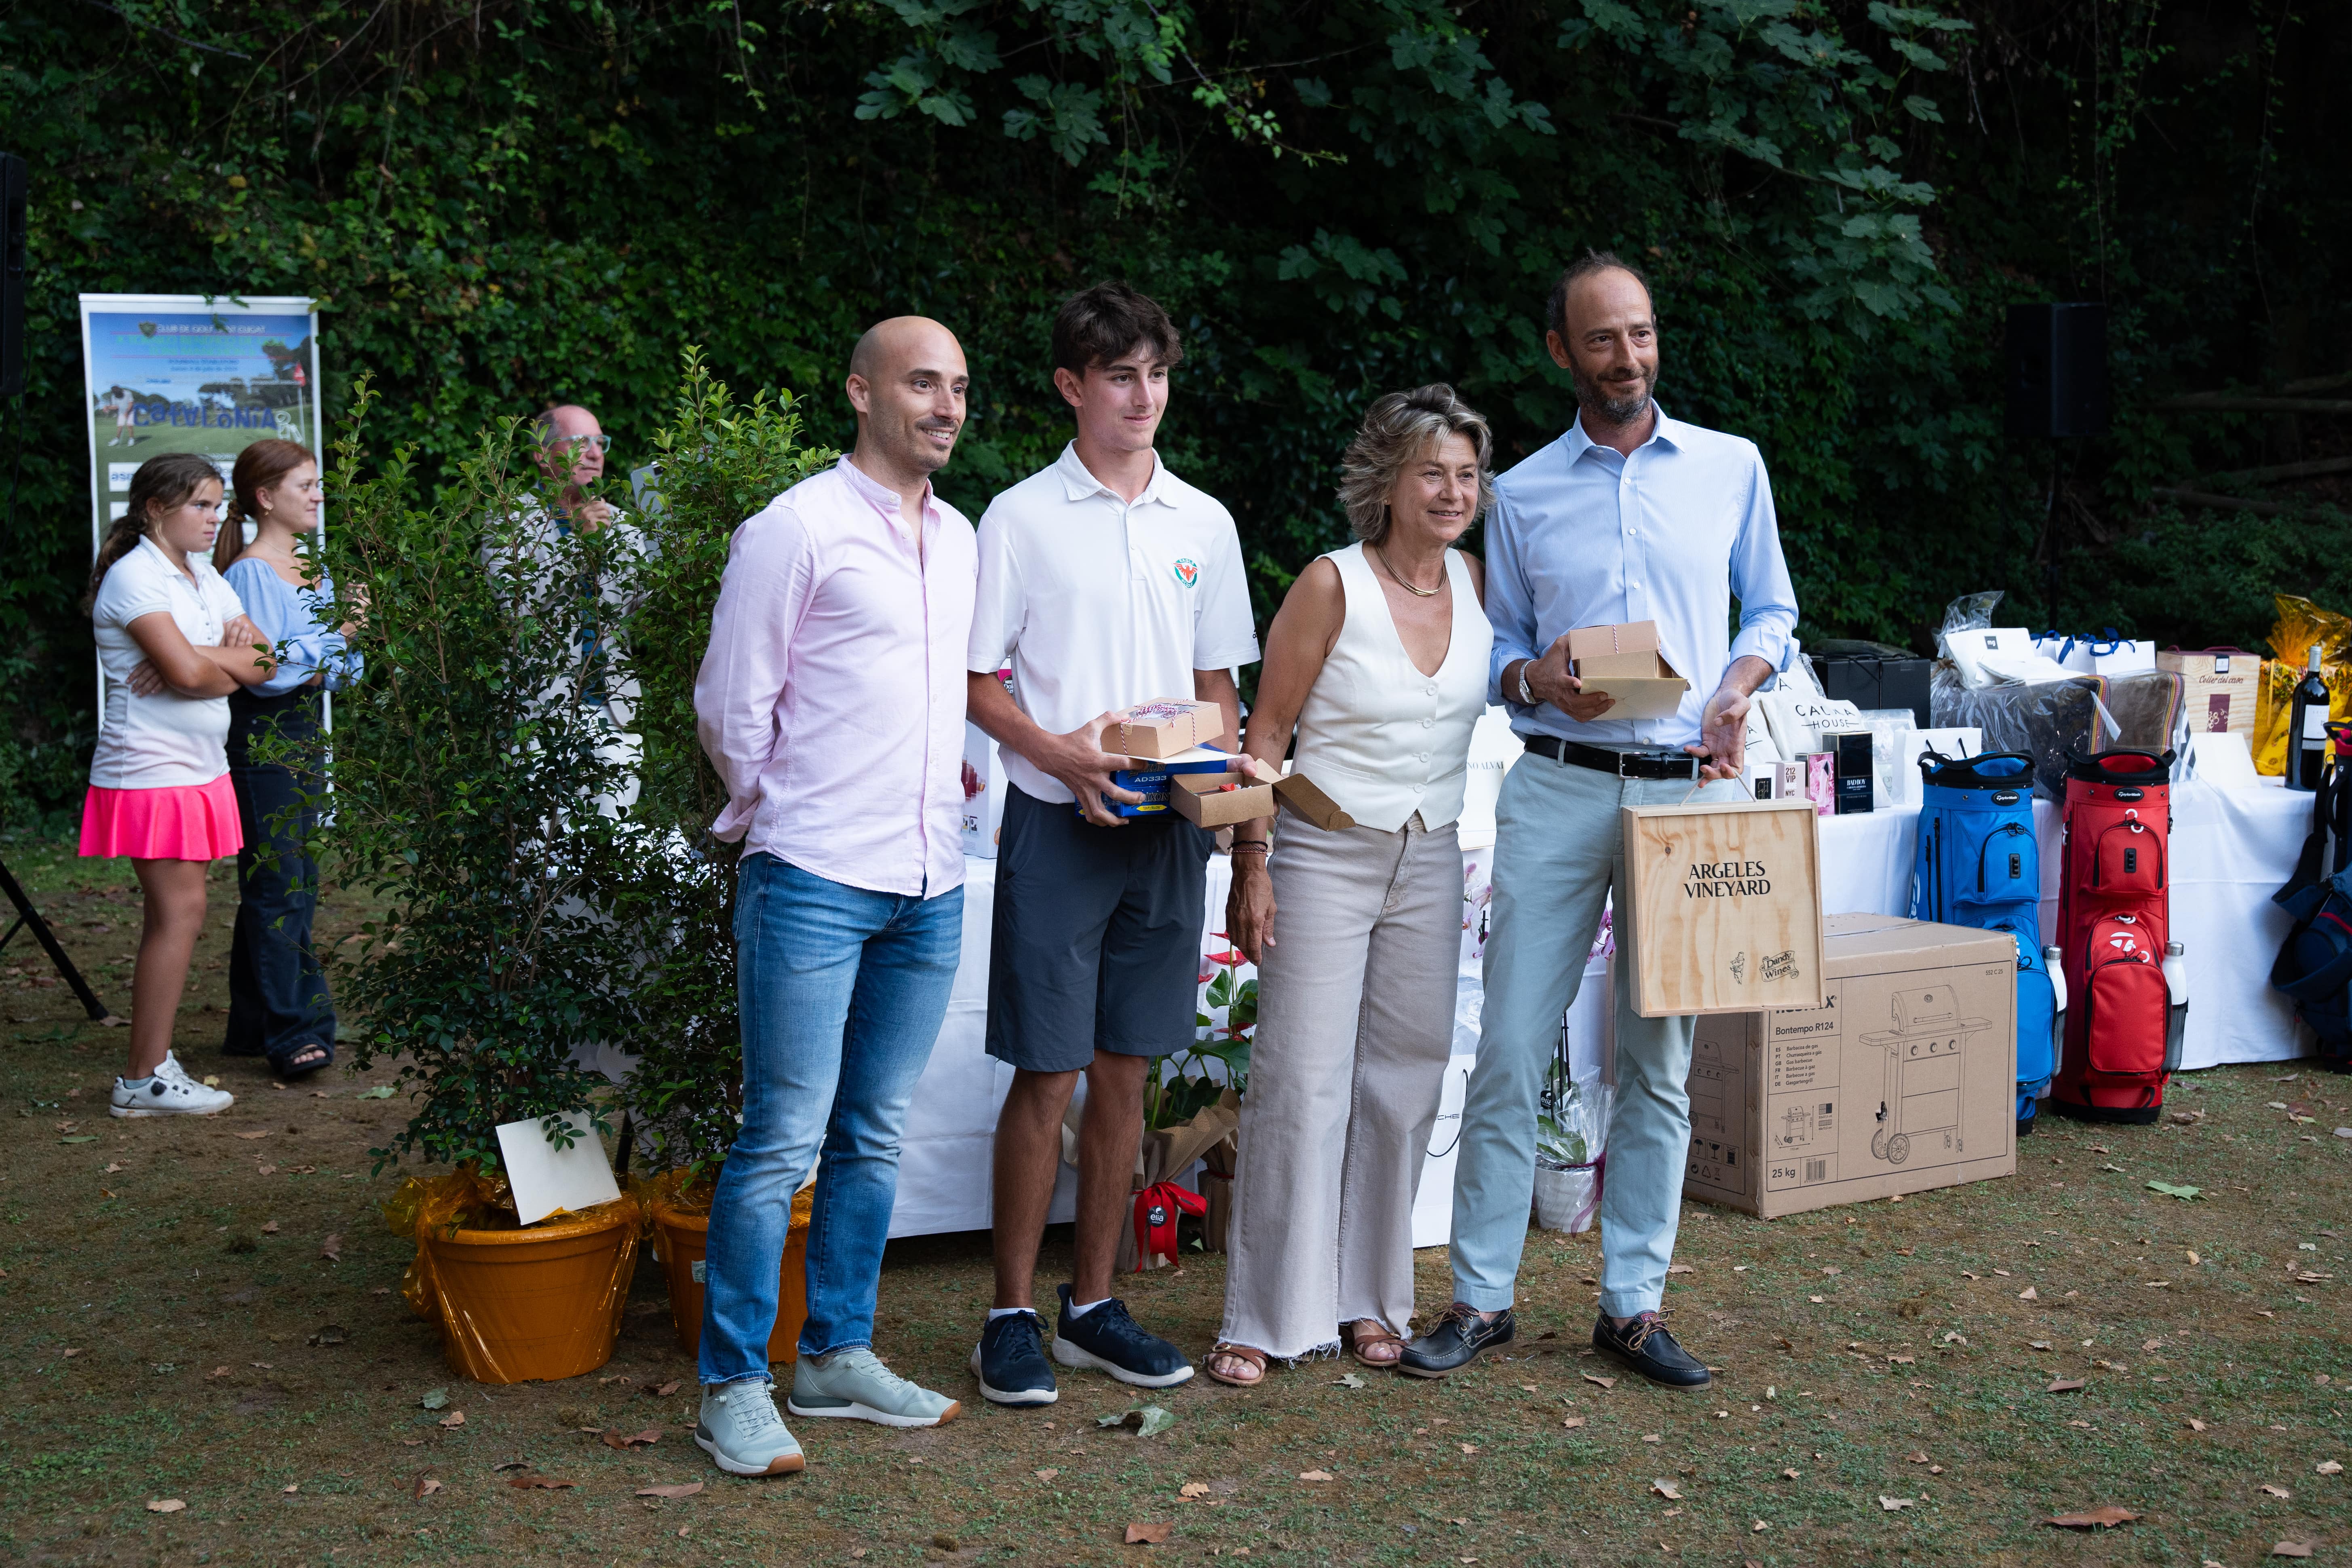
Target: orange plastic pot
{"type": "Point", "coordinates": [680, 1237]}
{"type": "Point", "coordinates": [542, 1302]}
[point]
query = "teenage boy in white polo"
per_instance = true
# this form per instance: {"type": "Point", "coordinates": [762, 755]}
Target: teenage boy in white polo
{"type": "Point", "coordinates": [1107, 581]}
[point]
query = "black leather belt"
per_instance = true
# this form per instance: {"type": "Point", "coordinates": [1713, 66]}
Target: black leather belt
{"type": "Point", "coordinates": [1624, 764]}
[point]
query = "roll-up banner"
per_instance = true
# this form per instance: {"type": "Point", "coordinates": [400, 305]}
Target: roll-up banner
{"type": "Point", "coordinates": [184, 373]}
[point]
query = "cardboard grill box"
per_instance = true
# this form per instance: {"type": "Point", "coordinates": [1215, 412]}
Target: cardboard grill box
{"type": "Point", "coordinates": [2222, 686]}
{"type": "Point", "coordinates": [1903, 1079]}
{"type": "Point", "coordinates": [1168, 727]}
{"type": "Point", "coordinates": [1724, 906]}
{"type": "Point", "coordinates": [1625, 662]}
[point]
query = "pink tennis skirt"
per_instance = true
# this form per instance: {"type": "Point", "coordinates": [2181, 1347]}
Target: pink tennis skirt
{"type": "Point", "coordinates": [187, 822]}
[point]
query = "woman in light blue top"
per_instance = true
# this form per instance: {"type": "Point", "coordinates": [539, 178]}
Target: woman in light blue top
{"type": "Point", "coordinates": [278, 1002]}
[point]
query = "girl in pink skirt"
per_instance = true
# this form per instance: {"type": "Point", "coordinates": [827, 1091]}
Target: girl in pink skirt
{"type": "Point", "coordinates": [174, 642]}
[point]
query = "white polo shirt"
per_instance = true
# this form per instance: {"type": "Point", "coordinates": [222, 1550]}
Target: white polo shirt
{"type": "Point", "coordinates": [1099, 603]}
{"type": "Point", "coordinates": [166, 740]}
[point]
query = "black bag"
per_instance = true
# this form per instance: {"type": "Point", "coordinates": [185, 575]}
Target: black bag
{"type": "Point", "coordinates": [2314, 963]}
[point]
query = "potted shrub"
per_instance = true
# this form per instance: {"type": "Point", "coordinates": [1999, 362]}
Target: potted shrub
{"type": "Point", "coordinates": [472, 795]}
{"type": "Point", "coordinates": [718, 463]}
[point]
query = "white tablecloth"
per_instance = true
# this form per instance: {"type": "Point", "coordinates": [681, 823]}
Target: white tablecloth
{"type": "Point", "coordinates": [2231, 850]}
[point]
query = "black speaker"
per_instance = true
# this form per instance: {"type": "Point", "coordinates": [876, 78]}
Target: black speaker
{"type": "Point", "coordinates": [2058, 370]}
{"type": "Point", "coordinates": [12, 273]}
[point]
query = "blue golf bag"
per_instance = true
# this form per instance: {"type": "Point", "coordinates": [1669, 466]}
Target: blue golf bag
{"type": "Point", "coordinates": [1979, 864]}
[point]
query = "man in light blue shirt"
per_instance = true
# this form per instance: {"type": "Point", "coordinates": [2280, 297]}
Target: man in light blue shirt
{"type": "Point", "coordinates": [1630, 516]}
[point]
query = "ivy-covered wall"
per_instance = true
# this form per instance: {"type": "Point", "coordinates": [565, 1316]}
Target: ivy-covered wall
{"type": "Point", "coordinates": [508, 202]}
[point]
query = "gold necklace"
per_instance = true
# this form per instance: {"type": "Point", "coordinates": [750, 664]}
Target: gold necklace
{"type": "Point", "coordinates": [1409, 587]}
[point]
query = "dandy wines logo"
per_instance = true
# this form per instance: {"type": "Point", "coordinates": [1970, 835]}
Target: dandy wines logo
{"type": "Point", "coordinates": [1727, 880]}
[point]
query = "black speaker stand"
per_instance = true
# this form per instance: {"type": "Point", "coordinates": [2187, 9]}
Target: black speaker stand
{"type": "Point", "coordinates": [27, 915]}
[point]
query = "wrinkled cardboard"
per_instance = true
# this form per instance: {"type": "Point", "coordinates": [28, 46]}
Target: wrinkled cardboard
{"type": "Point", "coordinates": [1625, 662]}
{"type": "Point", "coordinates": [1803, 1109]}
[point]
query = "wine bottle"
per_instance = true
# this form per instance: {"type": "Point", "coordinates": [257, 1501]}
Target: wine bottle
{"type": "Point", "coordinates": [2306, 744]}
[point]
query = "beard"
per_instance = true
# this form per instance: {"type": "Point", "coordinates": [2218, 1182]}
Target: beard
{"type": "Point", "coordinates": [1617, 403]}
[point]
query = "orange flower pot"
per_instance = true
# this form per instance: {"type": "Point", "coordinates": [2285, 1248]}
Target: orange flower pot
{"type": "Point", "coordinates": [680, 1237]}
{"type": "Point", "coordinates": [542, 1302]}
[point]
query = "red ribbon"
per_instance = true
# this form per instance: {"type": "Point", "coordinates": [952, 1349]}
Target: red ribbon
{"type": "Point", "coordinates": [1156, 1211]}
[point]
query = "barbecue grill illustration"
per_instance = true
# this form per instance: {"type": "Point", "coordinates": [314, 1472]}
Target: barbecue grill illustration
{"type": "Point", "coordinates": [1922, 1092]}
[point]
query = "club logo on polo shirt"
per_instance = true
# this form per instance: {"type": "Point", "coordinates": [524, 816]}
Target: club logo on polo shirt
{"type": "Point", "coordinates": [1188, 571]}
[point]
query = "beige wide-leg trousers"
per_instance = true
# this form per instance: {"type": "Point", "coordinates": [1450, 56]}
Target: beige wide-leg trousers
{"type": "Point", "coordinates": [1355, 1024]}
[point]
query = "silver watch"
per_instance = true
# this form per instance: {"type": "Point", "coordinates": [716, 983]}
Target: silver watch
{"type": "Point", "coordinates": [1527, 698]}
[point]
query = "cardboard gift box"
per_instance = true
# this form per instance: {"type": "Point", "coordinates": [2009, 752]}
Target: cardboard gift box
{"type": "Point", "coordinates": [1904, 1078]}
{"type": "Point", "coordinates": [1723, 905]}
{"type": "Point", "coordinates": [2223, 686]}
{"type": "Point", "coordinates": [1166, 727]}
{"type": "Point", "coordinates": [1219, 799]}
{"type": "Point", "coordinates": [1154, 780]}
{"type": "Point", "coordinates": [1625, 662]}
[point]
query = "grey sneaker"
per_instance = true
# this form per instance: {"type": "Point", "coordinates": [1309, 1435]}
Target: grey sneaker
{"type": "Point", "coordinates": [854, 1382]}
{"type": "Point", "coordinates": [741, 1432]}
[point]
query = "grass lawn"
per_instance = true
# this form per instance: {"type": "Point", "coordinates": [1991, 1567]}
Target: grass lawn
{"type": "Point", "coordinates": [1882, 1395]}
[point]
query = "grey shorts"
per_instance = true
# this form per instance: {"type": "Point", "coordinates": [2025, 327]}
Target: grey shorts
{"type": "Point", "coordinates": [1095, 942]}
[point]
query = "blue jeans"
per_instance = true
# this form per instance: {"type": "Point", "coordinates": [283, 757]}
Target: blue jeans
{"type": "Point", "coordinates": [1558, 852]}
{"type": "Point", "coordinates": [841, 992]}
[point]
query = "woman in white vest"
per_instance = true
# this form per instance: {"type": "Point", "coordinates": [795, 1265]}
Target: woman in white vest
{"type": "Point", "coordinates": [1378, 662]}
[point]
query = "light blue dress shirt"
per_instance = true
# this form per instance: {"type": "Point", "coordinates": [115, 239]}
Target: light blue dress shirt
{"type": "Point", "coordinates": [288, 618]}
{"type": "Point", "coordinates": [1581, 536]}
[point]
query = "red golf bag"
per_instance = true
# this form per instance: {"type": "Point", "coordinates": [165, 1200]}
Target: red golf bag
{"type": "Point", "coordinates": [2114, 919]}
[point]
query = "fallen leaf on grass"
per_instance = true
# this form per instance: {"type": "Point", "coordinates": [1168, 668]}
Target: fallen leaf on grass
{"type": "Point", "coordinates": [2292, 1549]}
{"type": "Point", "coordinates": [1347, 1380]}
{"type": "Point", "coordinates": [1193, 1488]}
{"type": "Point", "coordinates": [1790, 1474]}
{"type": "Point", "coordinates": [1045, 1474]}
{"type": "Point", "coordinates": [1316, 1476]}
{"type": "Point", "coordinates": [1668, 1490]}
{"type": "Point", "coordinates": [1467, 1447]}
{"type": "Point", "coordinates": [290, 1488]}
{"type": "Point", "coordinates": [665, 1391]}
{"type": "Point", "coordinates": [1831, 1269]}
{"type": "Point", "coordinates": [511, 1465]}
{"type": "Point", "coordinates": [1148, 1534]}
{"type": "Point", "coordinates": [2328, 1468]}
{"type": "Point", "coordinates": [682, 1488]}
{"type": "Point", "coordinates": [2064, 1385]}
{"type": "Point", "coordinates": [1680, 1268]}
{"type": "Point", "coordinates": [1904, 1360]}
{"type": "Point", "coordinates": [112, 1167]}
{"type": "Point", "coordinates": [1891, 1503]}
{"type": "Point", "coordinates": [381, 1091]}
{"type": "Point", "coordinates": [331, 1249]}
{"type": "Point", "coordinates": [329, 1335]}
{"type": "Point", "coordinates": [1573, 1422]}
{"type": "Point", "coordinates": [541, 1483]}
{"type": "Point", "coordinates": [164, 1505]}
{"type": "Point", "coordinates": [2195, 1424]}
{"type": "Point", "coordinates": [1604, 1382]}
{"type": "Point", "coordinates": [2029, 1294]}
{"type": "Point", "coordinates": [625, 1440]}
{"type": "Point", "coordinates": [435, 1398]}
{"type": "Point", "coordinates": [426, 1487]}
{"type": "Point", "coordinates": [270, 1228]}
{"type": "Point", "coordinates": [249, 1137]}
{"type": "Point", "coordinates": [1916, 1456]}
{"type": "Point", "coordinates": [453, 1419]}
{"type": "Point", "coordinates": [2279, 1492]}
{"type": "Point", "coordinates": [2103, 1518]}
{"type": "Point", "coordinates": [2174, 1190]}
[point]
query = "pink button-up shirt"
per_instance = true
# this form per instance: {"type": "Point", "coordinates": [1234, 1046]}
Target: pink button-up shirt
{"type": "Point", "coordinates": [832, 698]}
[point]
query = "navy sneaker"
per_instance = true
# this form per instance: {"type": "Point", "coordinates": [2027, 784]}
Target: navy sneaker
{"type": "Point", "coordinates": [1109, 1341]}
{"type": "Point", "coordinates": [1010, 1360]}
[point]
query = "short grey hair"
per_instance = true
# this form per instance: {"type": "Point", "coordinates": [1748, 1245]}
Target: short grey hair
{"type": "Point", "coordinates": [1400, 429]}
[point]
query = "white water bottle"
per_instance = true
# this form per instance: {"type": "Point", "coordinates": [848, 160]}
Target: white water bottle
{"type": "Point", "coordinates": [2176, 1014]}
{"type": "Point", "coordinates": [2054, 962]}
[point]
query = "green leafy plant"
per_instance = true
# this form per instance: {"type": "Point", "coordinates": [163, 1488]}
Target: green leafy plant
{"type": "Point", "coordinates": [474, 792]}
{"type": "Point", "coordinates": [717, 462]}
{"type": "Point", "coordinates": [1179, 1086]}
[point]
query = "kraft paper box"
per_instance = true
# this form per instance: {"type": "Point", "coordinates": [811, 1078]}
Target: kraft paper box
{"type": "Point", "coordinates": [2222, 686]}
{"type": "Point", "coordinates": [1624, 661]}
{"type": "Point", "coordinates": [1904, 1080]}
{"type": "Point", "coordinates": [1722, 904]}
{"type": "Point", "coordinates": [1152, 780]}
{"type": "Point", "coordinates": [1306, 799]}
{"type": "Point", "coordinates": [1163, 728]}
{"type": "Point", "coordinates": [1205, 801]}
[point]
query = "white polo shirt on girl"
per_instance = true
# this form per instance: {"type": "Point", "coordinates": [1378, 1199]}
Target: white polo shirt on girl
{"type": "Point", "coordinates": [1099, 603]}
{"type": "Point", "coordinates": [166, 740]}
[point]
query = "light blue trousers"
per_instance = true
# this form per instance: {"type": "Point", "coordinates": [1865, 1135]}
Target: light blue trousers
{"type": "Point", "coordinates": [1557, 853]}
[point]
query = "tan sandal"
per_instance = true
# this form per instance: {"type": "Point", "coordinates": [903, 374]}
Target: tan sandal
{"type": "Point", "coordinates": [1255, 1360]}
{"type": "Point", "coordinates": [1358, 1341]}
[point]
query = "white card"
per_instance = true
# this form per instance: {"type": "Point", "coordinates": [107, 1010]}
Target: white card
{"type": "Point", "coordinates": [545, 1178]}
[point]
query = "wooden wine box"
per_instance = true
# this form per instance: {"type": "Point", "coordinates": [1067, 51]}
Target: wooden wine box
{"type": "Point", "coordinates": [1724, 907]}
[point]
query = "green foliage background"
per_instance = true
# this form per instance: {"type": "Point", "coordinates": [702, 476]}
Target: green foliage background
{"type": "Point", "coordinates": [506, 203]}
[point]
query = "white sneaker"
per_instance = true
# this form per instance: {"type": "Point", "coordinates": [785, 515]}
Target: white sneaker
{"type": "Point", "coordinates": [741, 1432]}
{"type": "Point", "coordinates": [170, 1092]}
